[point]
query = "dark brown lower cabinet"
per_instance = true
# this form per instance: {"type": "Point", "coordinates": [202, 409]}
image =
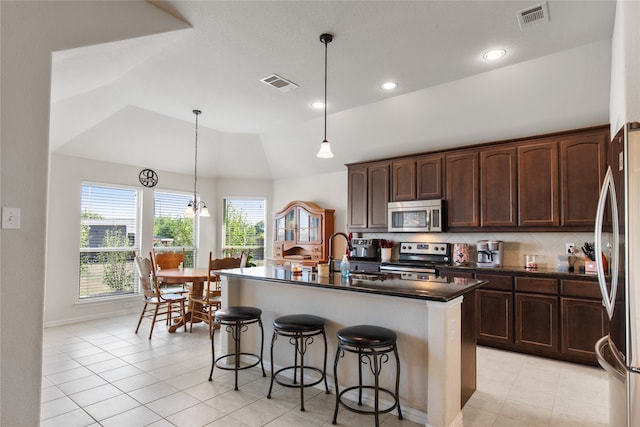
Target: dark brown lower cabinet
{"type": "Point", "coordinates": [583, 323]}
{"type": "Point", "coordinates": [494, 316]}
{"type": "Point", "coordinates": [537, 322]}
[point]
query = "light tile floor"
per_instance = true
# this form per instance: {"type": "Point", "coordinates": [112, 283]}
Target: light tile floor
{"type": "Point", "coordinates": [99, 373]}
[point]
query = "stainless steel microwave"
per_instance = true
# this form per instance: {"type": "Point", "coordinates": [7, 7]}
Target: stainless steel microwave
{"type": "Point", "coordinates": [420, 216]}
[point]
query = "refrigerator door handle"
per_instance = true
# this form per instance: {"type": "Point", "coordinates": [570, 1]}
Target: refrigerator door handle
{"type": "Point", "coordinates": [608, 190]}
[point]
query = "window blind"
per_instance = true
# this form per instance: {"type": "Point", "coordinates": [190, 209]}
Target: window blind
{"type": "Point", "coordinates": [108, 241]}
{"type": "Point", "coordinates": [244, 226]}
{"type": "Point", "coordinates": [172, 231]}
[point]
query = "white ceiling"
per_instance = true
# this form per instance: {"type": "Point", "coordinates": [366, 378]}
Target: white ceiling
{"type": "Point", "coordinates": [131, 101]}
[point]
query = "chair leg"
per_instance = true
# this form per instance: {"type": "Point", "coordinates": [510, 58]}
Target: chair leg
{"type": "Point", "coordinates": [153, 322]}
{"type": "Point", "coordinates": [182, 313]}
{"type": "Point", "coordinates": [191, 320]}
{"type": "Point", "coordinates": [144, 309]}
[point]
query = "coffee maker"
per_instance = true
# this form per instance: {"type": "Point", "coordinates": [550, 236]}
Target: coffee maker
{"type": "Point", "coordinates": [365, 249]}
{"type": "Point", "coordinates": [490, 253]}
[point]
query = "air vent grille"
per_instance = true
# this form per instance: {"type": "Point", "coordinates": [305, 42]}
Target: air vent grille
{"type": "Point", "coordinates": [534, 15]}
{"type": "Point", "coordinates": [279, 83]}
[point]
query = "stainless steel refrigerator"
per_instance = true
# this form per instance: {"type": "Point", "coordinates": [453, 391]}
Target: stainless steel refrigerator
{"type": "Point", "coordinates": [617, 237]}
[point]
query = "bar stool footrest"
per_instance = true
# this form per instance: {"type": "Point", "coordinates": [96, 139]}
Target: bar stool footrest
{"type": "Point", "coordinates": [372, 411]}
{"type": "Point", "coordinates": [232, 367]}
{"type": "Point", "coordinates": [297, 385]}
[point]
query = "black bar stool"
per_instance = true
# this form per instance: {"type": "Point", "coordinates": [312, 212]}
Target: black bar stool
{"type": "Point", "coordinates": [372, 344]}
{"type": "Point", "coordinates": [236, 320]}
{"type": "Point", "coordinates": [300, 329]}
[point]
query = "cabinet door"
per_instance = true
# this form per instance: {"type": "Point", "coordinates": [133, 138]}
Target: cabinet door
{"type": "Point", "coordinates": [309, 227]}
{"type": "Point", "coordinates": [494, 316]}
{"type": "Point", "coordinates": [403, 180]}
{"type": "Point", "coordinates": [498, 188]}
{"type": "Point", "coordinates": [538, 185]}
{"type": "Point", "coordinates": [537, 322]}
{"type": "Point", "coordinates": [357, 197]}
{"type": "Point", "coordinates": [582, 169]}
{"type": "Point", "coordinates": [429, 177]}
{"type": "Point", "coordinates": [462, 190]}
{"type": "Point", "coordinates": [378, 196]}
{"type": "Point", "coordinates": [583, 323]}
{"type": "Point", "coordinates": [290, 226]}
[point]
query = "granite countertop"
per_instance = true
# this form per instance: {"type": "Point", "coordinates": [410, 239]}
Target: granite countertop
{"type": "Point", "coordinates": [507, 269]}
{"type": "Point", "coordinates": [521, 271]}
{"type": "Point", "coordinates": [418, 286]}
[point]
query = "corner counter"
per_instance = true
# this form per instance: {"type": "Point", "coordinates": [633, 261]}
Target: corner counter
{"type": "Point", "coordinates": [436, 331]}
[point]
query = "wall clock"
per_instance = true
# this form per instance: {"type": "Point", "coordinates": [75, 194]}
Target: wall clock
{"type": "Point", "coordinates": [148, 178]}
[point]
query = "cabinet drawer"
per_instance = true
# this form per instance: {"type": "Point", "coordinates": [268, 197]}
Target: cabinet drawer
{"type": "Point", "coordinates": [496, 281]}
{"type": "Point", "coordinates": [537, 285]}
{"type": "Point", "coordinates": [581, 288]}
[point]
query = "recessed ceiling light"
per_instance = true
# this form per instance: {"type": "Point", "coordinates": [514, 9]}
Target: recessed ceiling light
{"type": "Point", "coordinates": [318, 105]}
{"type": "Point", "coordinates": [494, 54]}
{"type": "Point", "coordinates": [389, 85]}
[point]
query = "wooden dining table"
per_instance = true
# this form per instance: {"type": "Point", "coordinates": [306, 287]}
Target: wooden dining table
{"type": "Point", "coordinates": [196, 276]}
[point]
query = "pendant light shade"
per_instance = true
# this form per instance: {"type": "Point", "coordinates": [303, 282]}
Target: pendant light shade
{"type": "Point", "coordinates": [196, 207]}
{"type": "Point", "coordinates": [325, 147]}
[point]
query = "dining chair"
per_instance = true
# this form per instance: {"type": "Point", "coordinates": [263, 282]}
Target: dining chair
{"type": "Point", "coordinates": [167, 260]}
{"type": "Point", "coordinates": [203, 308]}
{"type": "Point", "coordinates": [157, 305]}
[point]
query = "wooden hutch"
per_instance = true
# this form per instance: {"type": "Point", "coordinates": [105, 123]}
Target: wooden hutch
{"type": "Point", "coordinates": [302, 231]}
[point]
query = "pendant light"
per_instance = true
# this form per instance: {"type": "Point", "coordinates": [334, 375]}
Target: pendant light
{"type": "Point", "coordinates": [196, 207]}
{"type": "Point", "coordinates": [325, 147]}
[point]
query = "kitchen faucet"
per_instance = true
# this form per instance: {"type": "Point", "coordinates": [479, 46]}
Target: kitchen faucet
{"type": "Point", "coordinates": [331, 247]}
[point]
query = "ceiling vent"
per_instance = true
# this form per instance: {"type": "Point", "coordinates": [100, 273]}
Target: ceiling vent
{"type": "Point", "coordinates": [533, 15]}
{"type": "Point", "coordinates": [279, 83]}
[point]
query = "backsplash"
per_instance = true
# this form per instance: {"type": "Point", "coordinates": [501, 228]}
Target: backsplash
{"type": "Point", "coordinates": [546, 246]}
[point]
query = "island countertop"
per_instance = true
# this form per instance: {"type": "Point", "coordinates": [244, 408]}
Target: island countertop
{"type": "Point", "coordinates": [411, 285]}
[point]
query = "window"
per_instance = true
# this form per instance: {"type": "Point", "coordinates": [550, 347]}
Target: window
{"type": "Point", "coordinates": [244, 228]}
{"type": "Point", "coordinates": [108, 241]}
{"type": "Point", "coordinates": [171, 230]}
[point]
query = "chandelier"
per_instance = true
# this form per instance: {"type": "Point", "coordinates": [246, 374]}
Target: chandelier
{"type": "Point", "coordinates": [196, 207]}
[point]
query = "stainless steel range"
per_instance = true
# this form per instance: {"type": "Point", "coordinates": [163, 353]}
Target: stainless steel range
{"type": "Point", "coordinates": [419, 257]}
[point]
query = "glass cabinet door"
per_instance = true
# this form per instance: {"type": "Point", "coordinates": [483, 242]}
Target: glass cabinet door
{"type": "Point", "coordinates": [290, 225]}
{"type": "Point", "coordinates": [309, 224]}
{"type": "Point", "coordinates": [280, 229]}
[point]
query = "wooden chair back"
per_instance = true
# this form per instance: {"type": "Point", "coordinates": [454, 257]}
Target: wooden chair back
{"type": "Point", "coordinates": [219, 264]}
{"type": "Point", "coordinates": [166, 260]}
{"type": "Point", "coordinates": [145, 268]}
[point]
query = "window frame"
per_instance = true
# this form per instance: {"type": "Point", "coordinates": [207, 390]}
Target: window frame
{"type": "Point", "coordinates": [132, 250]}
{"type": "Point", "coordinates": [224, 247]}
{"type": "Point", "coordinates": [195, 249]}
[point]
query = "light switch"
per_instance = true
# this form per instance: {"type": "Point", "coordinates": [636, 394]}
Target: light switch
{"type": "Point", "coordinates": [11, 218]}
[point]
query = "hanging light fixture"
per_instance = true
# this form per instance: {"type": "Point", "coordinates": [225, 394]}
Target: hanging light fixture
{"type": "Point", "coordinates": [196, 207]}
{"type": "Point", "coordinates": [325, 147]}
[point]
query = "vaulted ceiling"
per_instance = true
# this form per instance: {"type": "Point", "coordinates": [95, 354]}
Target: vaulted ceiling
{"type": "Point", "coordinates": [131, 101]}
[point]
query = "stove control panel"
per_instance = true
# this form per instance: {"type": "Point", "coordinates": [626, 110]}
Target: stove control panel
{"type": "Point", "coordinates": [424, 248]}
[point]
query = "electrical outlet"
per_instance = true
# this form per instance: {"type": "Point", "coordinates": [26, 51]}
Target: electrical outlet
{"type": "Point", "coordinates": [569, 248]}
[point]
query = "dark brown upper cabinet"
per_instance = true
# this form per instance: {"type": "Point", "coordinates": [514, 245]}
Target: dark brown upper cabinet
{"type": "Point", "coordinates": [403, 180]}
{"type": "Point", "coordinates": [538, 201]}
{"type": "Point", "coordinates": [368, 195]}
{"type": "Point", "coordinates": [429, 176]}
{"type": "Point", "coordinates": [462, 205]}
{"type": "Point", "coordinates": [417, 178]}
{"type": "Point", "coordinates": [498, 187]}
{"type": "Point", "coordinates": [582, 169]}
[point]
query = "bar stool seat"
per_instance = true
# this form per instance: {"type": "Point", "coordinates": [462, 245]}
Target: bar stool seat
{"type": "Point", "coordinates": [236, 319]}
{"type": "Point", "coordinates": [300, 329]}
{"type": "Point", "coordinates": [372, 345]}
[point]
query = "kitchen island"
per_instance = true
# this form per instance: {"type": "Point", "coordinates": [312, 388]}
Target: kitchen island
{"type": "Point", "coordinates": [436, 331]}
